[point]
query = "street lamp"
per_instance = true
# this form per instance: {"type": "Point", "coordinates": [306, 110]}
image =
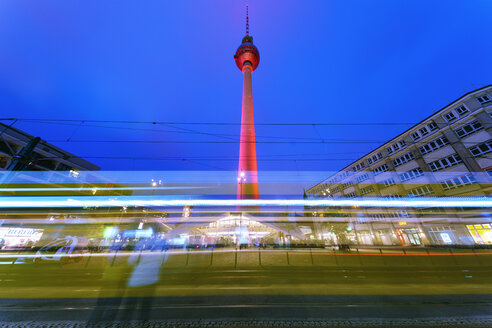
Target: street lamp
{"type": "Point", "coordinates": [155, 183]}
{"type": "Point", "coordinates": [241, 180]}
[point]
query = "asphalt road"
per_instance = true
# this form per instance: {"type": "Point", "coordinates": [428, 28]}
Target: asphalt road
{"type": "Point", "coordinates": [250, 285]}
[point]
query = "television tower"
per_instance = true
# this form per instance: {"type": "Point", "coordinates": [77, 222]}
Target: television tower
{"type": "Point", "coordinates": [247, 59]}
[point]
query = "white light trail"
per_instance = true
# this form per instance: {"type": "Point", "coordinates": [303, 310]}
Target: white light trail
{"type": "Point", "coordinates": [159, 201]}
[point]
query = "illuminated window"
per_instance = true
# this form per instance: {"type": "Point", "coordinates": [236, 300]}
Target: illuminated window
{"type": "Point", "coordinates": [481, 233]}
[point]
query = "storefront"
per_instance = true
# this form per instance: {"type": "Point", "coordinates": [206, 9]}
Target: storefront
{"type": "Point", "coordinates": [16, 237]}
{"type": "Point", "coordinates": [409, 236]}
{"type": "Point", "coordinates": [481, 233]}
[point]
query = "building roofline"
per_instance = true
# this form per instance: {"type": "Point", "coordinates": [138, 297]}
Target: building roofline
{"type": "Point", "coordinates": [407, 130]}
{"type": "Point", "coordinates": [4, 129]}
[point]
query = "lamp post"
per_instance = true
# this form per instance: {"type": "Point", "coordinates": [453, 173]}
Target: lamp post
{"type": "Point", "coordinates": [241, 180]}
{"type": "Point", "coordinates": [155, 183]}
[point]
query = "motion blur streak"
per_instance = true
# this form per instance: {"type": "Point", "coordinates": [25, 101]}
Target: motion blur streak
{"type": "Point", "coordinates": [119, 201]}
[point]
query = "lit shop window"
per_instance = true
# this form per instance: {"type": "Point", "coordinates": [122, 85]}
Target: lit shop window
{"type": "Point", "coordinates": [481, 233]}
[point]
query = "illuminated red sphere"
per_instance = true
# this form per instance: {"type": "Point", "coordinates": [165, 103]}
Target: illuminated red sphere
{"type": "Point", "coordinates": [247, 52]}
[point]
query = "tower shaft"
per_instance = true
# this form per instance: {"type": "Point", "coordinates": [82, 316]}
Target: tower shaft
{"type": "Point", "coordinates": [248, 187]}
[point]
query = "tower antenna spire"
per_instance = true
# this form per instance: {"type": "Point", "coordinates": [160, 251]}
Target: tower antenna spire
{"type": "Point", "coordinates": [247, 21]}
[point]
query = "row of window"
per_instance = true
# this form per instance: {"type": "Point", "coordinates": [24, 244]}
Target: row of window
{"type": "Point", "coordinates": [443, 163]}
{"type": "Point", "coordinates": [440, 142]}
{"type": "Point", "coordinates": [421, 191]}
{"type": "Point", "coordinates": [458, 182]}
{"type": "Point", "coordinates": [454, 183]}
{"type": "Point", "coordinates": [481, 149]}
{"type": "Point", "coordinates": [347, 184]}
{"type": "Point", "coordinates": [433, 145]}
{"type": "Point", "coordinates": [389, 182]}
{"type": "Point", "coordinates": [380, 169]}
{"type": "Point", "coordinates": [412, 174]}
{"type": "Point", "coordinates": [367, 190]}
{"type": "Point", "coordinates": [362, 177]}
{"type": "Point", "coordinates": [351, 195]}
{"type": "Point", "coordinates": [424, 131]}
{"type": "Point", "coordinates": [397, 146]}
{"type": "Point", "coordinates": [403, 159]}
{"type": "Point", "coordinates": [468, 129]}
{"type": "Point", "coordinates": [359, 167]}
{"type": "Point", "coordinates": [483, 99]}
{"type": "Point", "coordinates": [375, 158]}
{"type": "Point", "coordinates": [453, 115]}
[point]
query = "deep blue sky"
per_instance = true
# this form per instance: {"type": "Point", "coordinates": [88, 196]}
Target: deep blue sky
{"type": "Point", "coordinates": [321, 62]}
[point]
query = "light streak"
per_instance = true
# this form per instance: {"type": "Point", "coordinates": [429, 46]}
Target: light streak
{"type": "Point", "coordinates": [158, 201]}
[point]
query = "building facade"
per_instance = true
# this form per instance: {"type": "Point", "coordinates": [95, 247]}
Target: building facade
{"type": "Point", "coordinates": [447, 154]}
{"type": "Point", "coordinates": [43, 157]}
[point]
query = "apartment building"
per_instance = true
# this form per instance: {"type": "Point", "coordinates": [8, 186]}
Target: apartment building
{"type": "Point", "coordinates": [447, 154]}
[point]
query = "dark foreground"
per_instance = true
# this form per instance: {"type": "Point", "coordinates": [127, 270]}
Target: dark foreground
{"type": "Point", "coordinates": [257, 311]}
{"type": "Point", "coordinates": [251, 289]}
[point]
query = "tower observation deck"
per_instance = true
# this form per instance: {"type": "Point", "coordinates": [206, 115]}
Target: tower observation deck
{"type": "Point", "coordinates": [247, 59]}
